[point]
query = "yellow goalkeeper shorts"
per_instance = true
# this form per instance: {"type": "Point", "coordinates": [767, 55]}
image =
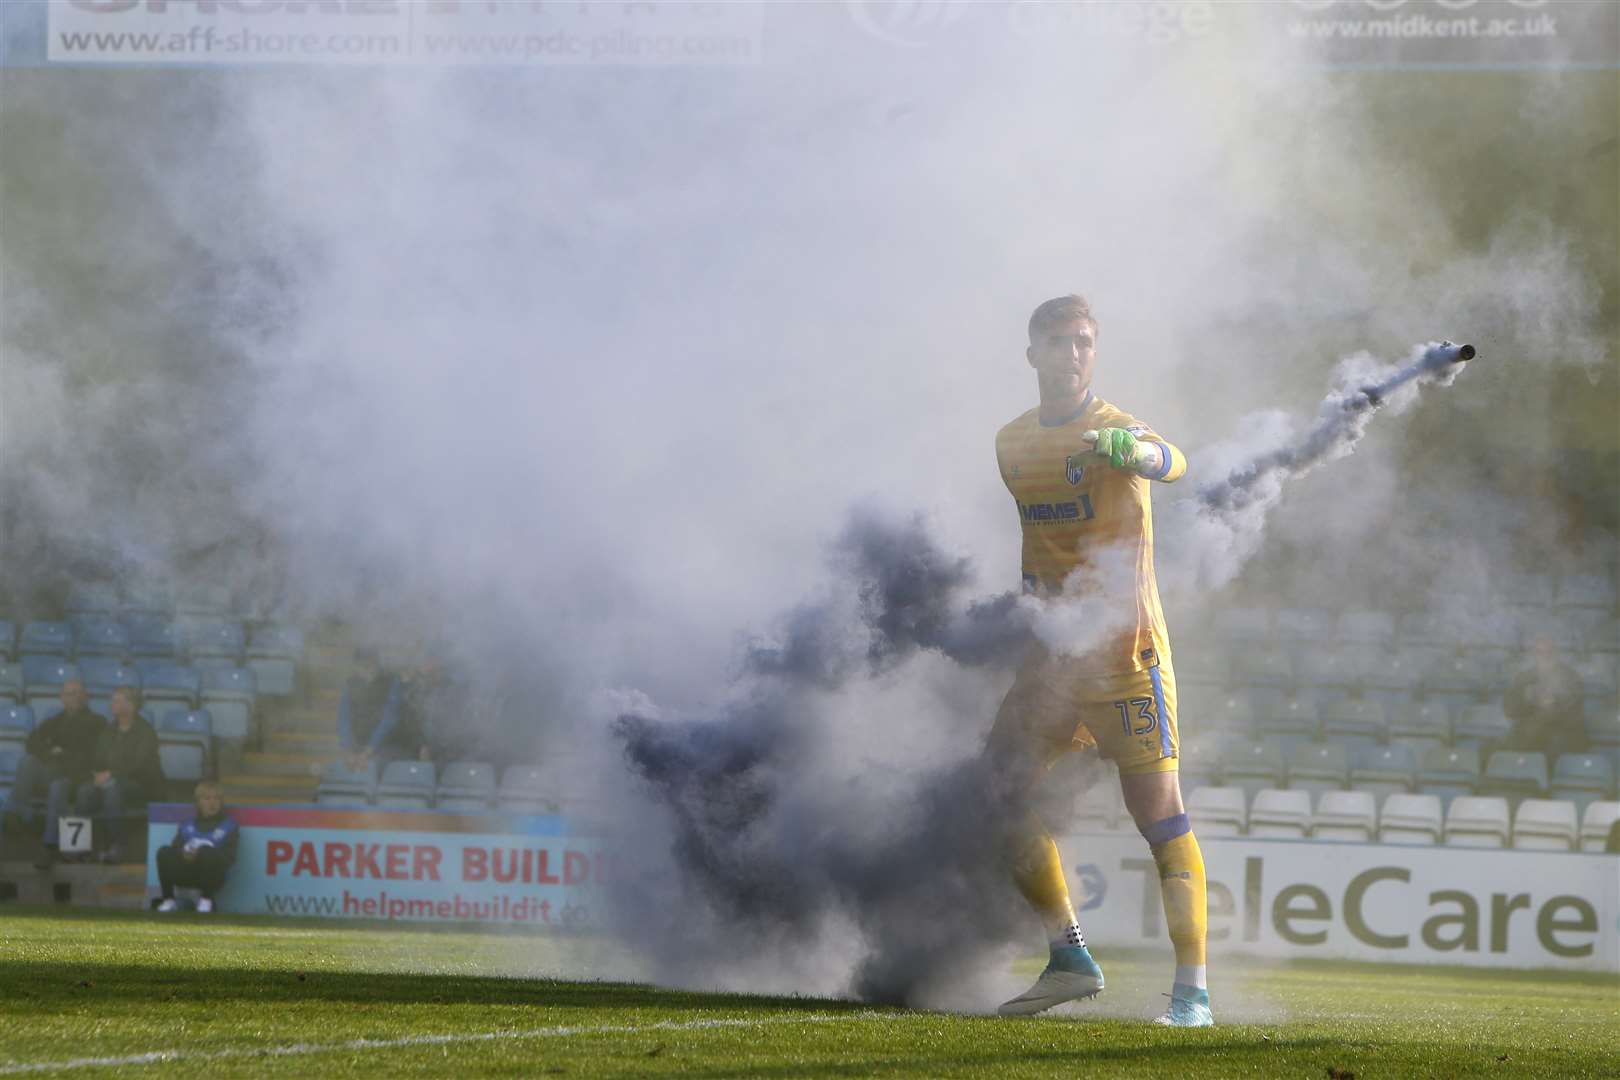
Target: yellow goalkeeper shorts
{"type": "Point", "coordinates": [1050, 711]}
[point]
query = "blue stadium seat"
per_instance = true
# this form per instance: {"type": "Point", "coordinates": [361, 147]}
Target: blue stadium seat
{"type": "Point", "coordinates": [467, 786]}
{"type": "Point", "coordinates": [1261, 666]}
{"type": "Point", "coordinates": [1280, 815]}
{"type": "Point", "coordinates": [1483, 727]}
{"type": "Point", "coordinates": [1253, 766]}
{"type": "Point", "coordinates": [44, 638]}
{"type": "Point", "coordinates": [1449, 773]}
{"type": "Point", "coordinates": [16, 723]}
{"type": "Point", "coordinates": [1585, 590]}
{"type": "Point", "coordinates": [1243, 625]}
{"type": "Point", "coordinates": [406, 785]}
{"type": "Point", "coordinates": [1203, 667]}
{"type": "Point", "coordinates": [1288, 724]}
{"type": "Point", "coordinates": [210, 637]}
{"type": "Point", "coordinates": [528, 789]}
{"type": "Point", "coordinates": [1410, 819]}
{"type": "Point", "coordinates": [184, 738]}
{"type": "Point", "coordinates": [152, 635]}
{"type": "Point", "coordinates": [1458, 680]}
{"type": "Point", "coordinates": [11, 684]}
{"type": "Point", "coordinates": [1375, 628]}
{"type": "Point", "coordinates": [167, 681]}
{"type": "Point", "coordinates": [228, 692]}
{"type": "Point", "coordinates": [1421, 725]}
{"type": "Point", "coordinates": [274, 653]}
{"type": "Point", "coordinates": [1303, 626]}
{"type": "Point", "coordinates": [1528, 591]}
{"type": "Point", "coordinates": [1599, 678]}
{"type": "Point", "coordinates": [99, 598]}
{"type": "Point", "coordinates": [1394, 677]}
{"type": "Point", "coordinates": [1345, 817]}
{"type": "Point", "coordinates": [1333, 673]}
{"type": "Point", "coordinates": [1237, 714]}
{"type": "Point", "coordinates": [1383, 770]}
{"type": "Point", "coordinates": [1318, 767]}
{"type": "Point", "coordinates": [43, 676]}
{"type": "Point", "coordinates": [1603, 726]}
{"type": "Point", "coordinates": [343, 786]}
{"type": "Point", "coordinates": [193, 598]}
{"type": "Point", "coordinates": [1444, 630]}
{"type": "Point", "coordinates": [147, 598]}
{"type": "Point", "coordinates": [100, 635]}
{"type": "Point", "coordinates": [8, 640]}
{"type": "Point", "coordinates": [104, 674]}
{"type": "Point", "coordinates": [1546, 825]}
{"type": "Point", "coordinates": [1354, 723]}
{"type": "Point", "coordinates": [1219, 811]}
{"type": "Point", "coordinates": [1477, 821]}
{"type": "Point", "coordinates": [1515, 775]}
{"type": "Point", "coordinates": [1582, 779]}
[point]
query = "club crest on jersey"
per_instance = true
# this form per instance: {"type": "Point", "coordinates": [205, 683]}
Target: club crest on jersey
{"type": "Point", "coordinates": [1072, 471]}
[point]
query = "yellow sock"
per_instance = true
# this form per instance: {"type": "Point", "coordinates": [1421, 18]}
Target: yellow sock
{"type": "Point", "coordinates": [1186, 903]}
{"type": "Point", "coordinates": [1038, 872]}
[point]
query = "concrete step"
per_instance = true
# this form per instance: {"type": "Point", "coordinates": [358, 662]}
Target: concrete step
{"type": "Point", "coordinates": [321, 743]}
{"type": "Point", "coordinates": [270, 763]}
{"type": "Point", "coordinates": [118, 885]}
{"type": "Point", "coordinates": [248, 790]}
{"type": "Point", "coordinates": [313, 721]}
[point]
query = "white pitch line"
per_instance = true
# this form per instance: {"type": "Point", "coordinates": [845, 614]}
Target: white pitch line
{"type": "Point", "coordinates": [164, 1057]}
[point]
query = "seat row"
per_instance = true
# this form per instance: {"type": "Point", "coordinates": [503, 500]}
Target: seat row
{"type": "Point", "coordinates": [463, 786]}
{"type": "Point", "coordinates": [1357, 817]}
{"type": "Point", "coordinates": [1445, 772]}
{"type": "Point", "coordinates": [135, 636]}
{"type": "Point", "coordinates": [185, 744]}
{"type": "Point", "coordinates": [151, 598]}
{"type": "Point", "coordinates": [32, 690]}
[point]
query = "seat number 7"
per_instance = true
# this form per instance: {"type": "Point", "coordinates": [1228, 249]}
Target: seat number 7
{"type": "Point", "coordinates": [1145, 711]}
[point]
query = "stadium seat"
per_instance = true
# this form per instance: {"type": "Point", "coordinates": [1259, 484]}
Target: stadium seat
{"type": "Point", "coordinates": [1585, 590]}
{"type": "Point", "coordinates": [98, 598]}
{"type": "Point", "coordinates": [1259, 665]}
{"type": "Point", "coordinates": [104, 674]}
{"type": "Point", "coordinates": [43, 676]}
{"type": "Point", "coordinates": [1482, 727]}
{"type": "Point", "coordinates": [1545, 825]}
{"type": "Point", "coordinates": [184, 736]}
{"type": "Point", "coordinates": [274, 653]}
{"type": "Point", "coordinates": [406, 785]}
{"type": "Point", "coordinates": [1596, 823]}
{"type": "Point", "coordinates": [1236, 715]}
{"type": "Point", "coordinates": [1289, 724]}
{"type": "Point", "coordinates": [147, 598]}
{"type": "Point", "coordinates": [166, 681]}
{"type": "Point", "coordinates": [1200, 765]}
{"type": "Point", "coordinates": [1354, 723]}
{"type": "Point", "coordinates": [11, 684]}
{"type": "Point", "coordinates": [1598, 675]}
{"type": "Point", "coordinates": [1532, 592]}
{"type": "Point", "coordinates": [8, 640]}
{"type": "Point", "coordinates": [1218, 811]}
{"type": "Point", "coordinates": [193, 598]}
{"type": "Point", "coordinates": [1345, 817]}
{"type": "Point", "coordinates": [1515, 775]}
{"type": "Point", "coordinates": [227, 692]}
{"type": "Point", "coordinates": [1318, 767]}
{"type": "Point", "coordinates": [1303, 626]}
{"type": "Point", "coordinates": [16, 724]}
{"type": "Point", "coordinates": [1280, 815]}
{"type": "Point", "coordinates": [1329, 674]}
{"type": "Point", "coordinates": [210, 637]}
{"type": "Point", "coordinates": [1420, 726]}
{"type": "Point", "coordinates": [1604, 637]}
{"type": "Point", "coordinates": [49, 639]}
{"type": "Point", "coordinates": [527, 789]}
{"type": "Point", "coordinates": [466, 786]}
{"type": "Point", "coordinates": [1458, 680]}
{"type": "Point", "coordinates": [1603, 725]}
{"type": "Point", "coordinates": [1252, 766]}
{"type": "Point", "coordinates": [1582, 779]}
{"type": "Point", "coordinates": [343, 786]}
{"type": "Point", "coordinates": [1449, 772]}
{"type": "Point", "coordinates": [100, 635]}
{"type": "Point", "coordinates": [151, 635]}
{"type": "Point", "coordinates": [1367, 628]}
{"type": "Point", "coordinates": [1243, 625]}
{"type": "Point", "coordinates": [1477, 821]}
{"type": "Point", "coordinates": [1382, 771]}
{"type": "Point", "coordinates": [1444, 630]}
{"type": "Point", "coordinates": [1394, 676]}
{"type": "Point", "coordinates": [1410, 819]}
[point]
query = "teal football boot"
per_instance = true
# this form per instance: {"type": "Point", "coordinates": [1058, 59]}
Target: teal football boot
{"type": "Point", "coordinates": [1071, 975]}
{"type": "Point", "coordinates": [1189, 1007]}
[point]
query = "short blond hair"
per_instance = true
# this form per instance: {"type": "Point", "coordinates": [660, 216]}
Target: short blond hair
{"type": "Point", "coordinates": [1060, 310]}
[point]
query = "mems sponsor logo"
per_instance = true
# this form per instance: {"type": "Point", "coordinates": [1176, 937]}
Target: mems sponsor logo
{"type": "Point", "coordinates": [1054, 513]}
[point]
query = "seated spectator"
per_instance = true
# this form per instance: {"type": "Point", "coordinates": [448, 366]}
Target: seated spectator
{"type": "Point", "coordinates": [1544, 702]}
{"type": "Point", "coordinates": [202, 851]}
{"type": "Point", "coordinates": [432, 715]}
{"type": "Point", "coordinates": [128, 769]}
{"type": "Point", "coordinates": [368, 711]}
{"type": "Point", "coordinates": [59, 755]}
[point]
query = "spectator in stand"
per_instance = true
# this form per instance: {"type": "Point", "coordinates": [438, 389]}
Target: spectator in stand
{"type": "Point", "coordinates": [368, 712]}
{"type": "Point", "coordinates": [432, 715]}
{"type": "Point", "coordinates": [202, 851]}
{"type": "Point", "coordinates": [128, 770]}
{"type": "Point", "coordinates": [59, 755]}
{"type": "Point", "coordinates": [1545, 704]}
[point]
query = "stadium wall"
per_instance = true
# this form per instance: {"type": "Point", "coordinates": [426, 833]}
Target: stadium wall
{"type": "Point", "coordinates": [1423, 905]}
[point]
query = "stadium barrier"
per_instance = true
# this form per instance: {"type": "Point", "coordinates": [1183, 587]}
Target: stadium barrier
{"type": "Point", "coordinates": [1422, 905]}
{"type": "Point", "coordinates": [404, 865]}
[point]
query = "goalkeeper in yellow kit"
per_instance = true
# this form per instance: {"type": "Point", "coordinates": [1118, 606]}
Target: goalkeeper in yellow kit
{"type": "Point", "coordinates": [1081, 471]}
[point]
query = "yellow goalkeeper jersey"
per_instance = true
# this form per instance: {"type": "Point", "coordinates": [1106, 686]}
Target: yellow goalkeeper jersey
{"type": "Point", "coordinates": [1088, 530]}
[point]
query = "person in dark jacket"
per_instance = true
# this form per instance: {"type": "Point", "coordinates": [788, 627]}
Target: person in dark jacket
{"type": "Point", "coordinates": [368, 711]}
{"type": "Point", "coordinates": [1545, 704]}
{"type": "Point", "coordinates": [432, 715]}
{"type": "Point", "coordinates": [202, 851]}
{"type": "Point", "coordinates": [60, 755]}
{"type": "Point", "coordinates": [128, 769]}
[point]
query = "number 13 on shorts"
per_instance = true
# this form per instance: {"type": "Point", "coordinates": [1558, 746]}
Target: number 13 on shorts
{"type": "Point", "coordinates": [1138, 709]}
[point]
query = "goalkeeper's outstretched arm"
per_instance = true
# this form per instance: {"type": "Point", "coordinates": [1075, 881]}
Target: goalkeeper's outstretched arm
{"type": "Point", "coordinates": [1154, 459]}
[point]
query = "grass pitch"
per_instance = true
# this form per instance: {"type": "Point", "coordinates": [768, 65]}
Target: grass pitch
{"type": "Point", "coordinates": [98, 994]}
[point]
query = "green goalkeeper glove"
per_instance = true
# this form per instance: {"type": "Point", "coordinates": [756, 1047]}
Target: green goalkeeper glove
{"type": "Point", "coordinates": [1122, 449]}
